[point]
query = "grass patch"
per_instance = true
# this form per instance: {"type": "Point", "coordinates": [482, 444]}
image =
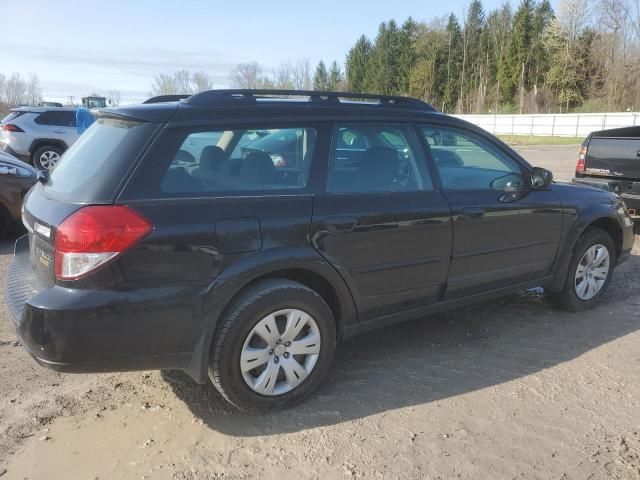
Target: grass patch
{"type": "Point", "coordinates": [535, 140]}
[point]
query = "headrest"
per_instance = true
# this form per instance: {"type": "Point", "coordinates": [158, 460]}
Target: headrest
{"type": "Point", "coordinates": [211, 158]}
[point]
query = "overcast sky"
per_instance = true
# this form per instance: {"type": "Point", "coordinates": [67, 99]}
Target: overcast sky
{"type": "Point", "coordinates": [80, 47]}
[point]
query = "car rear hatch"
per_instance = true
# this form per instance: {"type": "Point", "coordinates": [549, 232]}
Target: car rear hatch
{"type": "Point", "coordinates": [92, 172]}
{"type": "Point", "coordinates": [614, 154]}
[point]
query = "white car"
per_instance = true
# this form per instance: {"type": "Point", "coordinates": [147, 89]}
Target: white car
{"type": "Point", "coordinates": [38, 135]}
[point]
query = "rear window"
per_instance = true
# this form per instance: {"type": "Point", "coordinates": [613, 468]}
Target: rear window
{"type": "Point", "coordinates": [12, 116]}
{"type": "Point", "coordinates": [98, 162]}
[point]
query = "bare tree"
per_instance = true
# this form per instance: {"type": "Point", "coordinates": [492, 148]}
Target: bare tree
{"type": "Point", "coordinates": [293, 75]}
{"type": "Point", "coordinates": [15, 90]}
{"type": "Point", "coordinates": [34, 90]}
{"type": "Point", "coordinates": [201, 82]}
{"type": "Point", "coordinates": [183, 82]}
{"type": "Point", "coordinates": [572, 17]}
{"type": "Point", "coordinates": [114, 96]}
{"type": "Point", "coordinates": [164, 84]}
{"type": "Point", "coordinates": [247, 75]}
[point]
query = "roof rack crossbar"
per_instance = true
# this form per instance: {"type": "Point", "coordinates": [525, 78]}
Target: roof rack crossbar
{"type": "Point", "coordinates": [222, 97]}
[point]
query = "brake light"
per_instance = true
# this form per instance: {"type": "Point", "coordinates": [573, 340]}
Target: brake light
{"type": "Point", "coordinates": [581, 158]}
{"type": "Point", "coordinates": [8, 127]}
{"type": "Point", "coordinates": [95, 235]}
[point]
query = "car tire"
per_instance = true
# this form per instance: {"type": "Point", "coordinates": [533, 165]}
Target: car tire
{"type": "Point", "coordinates": [274, 379]}
{"type": "Point", "coordinates": [45, 157]}
{"type": "Point", "coordinates": [569, 298]}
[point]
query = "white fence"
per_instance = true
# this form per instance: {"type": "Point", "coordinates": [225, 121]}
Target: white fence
{"type": "Point", "coordinates": [554, 125]}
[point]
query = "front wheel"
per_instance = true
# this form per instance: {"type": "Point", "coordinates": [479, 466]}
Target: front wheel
{"type": "Point", "coordinates": [589, 274]}
{"type": "Point", "coordinates": [274, 347]}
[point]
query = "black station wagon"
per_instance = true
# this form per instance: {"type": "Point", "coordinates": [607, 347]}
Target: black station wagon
{"type": "Point", "coordinates": [239, 235]}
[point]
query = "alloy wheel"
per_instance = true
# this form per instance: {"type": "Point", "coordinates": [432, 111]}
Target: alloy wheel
{"type": "Point", "coordinates": [280, 352]}
{"type": "Point", "coordinates": [48, 159]}
{"type": "Point", "coordinates": [592, 272]}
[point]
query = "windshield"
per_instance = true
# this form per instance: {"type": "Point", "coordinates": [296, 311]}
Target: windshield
{"type": "Point", "coordinates": [95, 166]}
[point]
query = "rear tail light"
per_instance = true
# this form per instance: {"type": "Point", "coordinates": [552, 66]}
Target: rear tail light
{"type": "Point", "coordinates": [9, 127]}
{"type": "Point", "coordinates": [581, 158]}
{"type": "Point", "coordinates": [95, 235]}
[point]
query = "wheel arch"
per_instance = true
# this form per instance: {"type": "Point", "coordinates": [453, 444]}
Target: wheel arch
{"type": "Point", "coordinates": [302, 265]}
{"type": "Point", "coordinates": [42, 142]}
{"type": "Point", "coordinates": [596, 217]}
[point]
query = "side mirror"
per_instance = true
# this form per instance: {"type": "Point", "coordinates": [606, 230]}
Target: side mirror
{"type": "Point", "coordinates": [541, 177]}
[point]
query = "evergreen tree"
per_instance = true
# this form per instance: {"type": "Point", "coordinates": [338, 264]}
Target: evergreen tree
{"type": "Point", "coordinates": [358, 60]}
{"type": "Point", "coordinates": [406, 54]}
{"type": "Point", "coordinates": [453, 64]}
{"type": "Point", "coordinates": [321, 77]}
{"type": "Point", "coordinates": [335, 81]}
{"type": "Point", "coordinates": [382, 75]}
{"type": "Point", "coordinates": [512, 72]}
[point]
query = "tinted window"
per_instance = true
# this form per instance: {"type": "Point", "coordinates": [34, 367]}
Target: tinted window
{"type": "Point", "coordinates": [465, 161]}
{"type": "Point", "coordinates": [241, 160]}
{"type": "Point", "coordinates": [376, 158]}
{"type": "Point", "coordinates": [57, 118]}
{"type": "Point", "coordinates": [96, 164]}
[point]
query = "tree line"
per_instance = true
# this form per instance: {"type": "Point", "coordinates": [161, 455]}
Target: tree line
{"type": "Point", "coordinates": [16, 90]}
{"type": "Point", "coordinates": [584, 56]}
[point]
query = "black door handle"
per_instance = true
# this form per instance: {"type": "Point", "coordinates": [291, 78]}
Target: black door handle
{"type": "Point", "coordinates": [473, 212]}
{"type": "Point", "coordinates": [638, 153]}
{"type": "Point", "coordinates": [340, 224]}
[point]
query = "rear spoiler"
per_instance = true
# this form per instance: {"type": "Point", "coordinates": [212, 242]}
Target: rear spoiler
{"type": "Point", "coordinates": [165, 99]}
{"type": "Point", "coordinates": [154, 112]}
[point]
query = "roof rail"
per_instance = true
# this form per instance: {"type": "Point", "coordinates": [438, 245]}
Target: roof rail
{"type": "Point", "coordinates": [166, 98]}
{"type": "Point", "coordinates": [226, 97]}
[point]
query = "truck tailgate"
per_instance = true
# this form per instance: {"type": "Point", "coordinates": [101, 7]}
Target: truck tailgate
{"type": "Point", "coordinates": [613, 157]}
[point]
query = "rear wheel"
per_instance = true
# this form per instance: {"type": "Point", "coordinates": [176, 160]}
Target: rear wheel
{"type": "Point", "coordinates": [46, 157]}
{"type": "Point", "coordinates": [274, 346]}
{"type": "Point", "coordinates": [589, 272]}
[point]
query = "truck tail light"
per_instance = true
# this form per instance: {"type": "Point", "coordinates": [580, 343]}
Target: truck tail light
{"type": "Point", "coordinates": [581, 158]}
{"type": "Point", "coordinates": [9, 127]}
{"type": "Point", "coordinates": [95, 235]}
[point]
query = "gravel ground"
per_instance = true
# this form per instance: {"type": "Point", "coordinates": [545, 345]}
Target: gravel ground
{"type": "Point", "coordinates": [506, 389]}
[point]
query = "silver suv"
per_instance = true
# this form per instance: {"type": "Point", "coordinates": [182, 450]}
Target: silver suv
{"type": "Point", "coordinates": [38, 135]}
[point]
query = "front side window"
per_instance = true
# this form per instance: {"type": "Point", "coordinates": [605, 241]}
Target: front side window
{"type": "Point", "coordinates": [376, 158]}
{"type": "Point", "coordinates": [465, 161]}
{"type": "Point", "coordinates": [240, 160]}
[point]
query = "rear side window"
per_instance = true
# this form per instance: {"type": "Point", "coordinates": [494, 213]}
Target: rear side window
{"type": "Point", "coordinates": [239, 161]}
{"type": "Point", "coordinates": [97, 163]}
{"type": "Point", "coordinates": [376, 158]}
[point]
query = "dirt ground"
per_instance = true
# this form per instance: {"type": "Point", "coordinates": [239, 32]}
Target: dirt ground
{"type": "Point", "coordinates": [506, 389]}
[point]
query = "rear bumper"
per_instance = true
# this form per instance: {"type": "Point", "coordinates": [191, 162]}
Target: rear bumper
{"type": "Point", "coordinates": [84, 331]}
{"type": "Point", "coordinates": [627, 190]}
{"type": "Point", "coordinates": [24, 156]}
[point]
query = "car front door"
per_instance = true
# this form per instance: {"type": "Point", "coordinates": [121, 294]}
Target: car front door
{"type": "Point", "coordinates": [503, 232]}
{"type": "Point", "coordinates": [380, 222]}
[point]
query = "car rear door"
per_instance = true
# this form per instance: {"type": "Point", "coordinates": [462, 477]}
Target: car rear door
{"type": "Point", "coordinates": [380, 222]}
{"type": "Point", "coordinates": [499, 239]}
{"type": "Point", "coordinates": [59, 125]}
